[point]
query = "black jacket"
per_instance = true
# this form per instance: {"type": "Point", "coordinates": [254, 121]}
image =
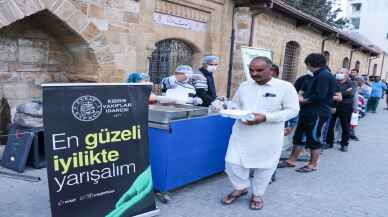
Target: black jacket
{"type": "Point", "coordinates": [319, 95]}
{"type": "Point", "coordinates": [347, 96]}
{"type": "Point", "coordinates": [209, 95]}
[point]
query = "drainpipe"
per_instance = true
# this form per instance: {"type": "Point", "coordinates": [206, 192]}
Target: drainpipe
{"type": "Point", "coordinates": [332, 36]}
{"type": "Point", "coordinates": [231, 55]}
{"type": "Point", "coordinates": [252, 29]}
{"type": "Point", "coordinates": [382, 64]}
{"type": "Point", "coordinates": [351, 57]}
{"type": "Point", "coordinates": [370, 61]}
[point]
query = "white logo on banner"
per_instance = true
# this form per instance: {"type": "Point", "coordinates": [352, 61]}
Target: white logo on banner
{"type": "Point", "coordinates": [87, 108]}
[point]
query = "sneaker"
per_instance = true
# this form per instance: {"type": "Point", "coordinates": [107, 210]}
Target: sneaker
{"type": "Point", "coordinates": [355, 138]}
{"type": "Point", "coordinates": [344, 149]}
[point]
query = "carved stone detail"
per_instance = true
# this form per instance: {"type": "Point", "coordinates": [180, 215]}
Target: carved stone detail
{"type": "Point", "coordinates": [181, 11]}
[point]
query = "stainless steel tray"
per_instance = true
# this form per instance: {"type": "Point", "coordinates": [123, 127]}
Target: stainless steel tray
{"type": "Point", "coordinates": [166, 113]}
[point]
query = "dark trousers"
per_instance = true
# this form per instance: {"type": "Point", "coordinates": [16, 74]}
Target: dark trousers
{"type": "Point", "coordinates": [344, 115]}
{"type": "Point", "coordinates": [373, 103]}
{"type": "Point", "coordinates": [309, 131]}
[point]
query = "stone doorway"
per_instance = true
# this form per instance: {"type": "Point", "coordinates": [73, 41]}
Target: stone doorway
{"type": "Point", "coordinates": [44, 46]}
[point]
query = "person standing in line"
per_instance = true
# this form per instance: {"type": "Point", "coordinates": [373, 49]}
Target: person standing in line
{"type": "Point", "coordinates": [289, 126]}
{"type": "Point", "coordinates": [344, 110]}
{"type": "Point", "coordinates": [256, 144]}
{"type": "Point", "coordinates": [353, 77]}
{"type": "Point", "coordinates": [378, 88]}
{"type": "Point", "coordinates": [386, 95]}
{"type": "Point", "coordinates": [315, 111]}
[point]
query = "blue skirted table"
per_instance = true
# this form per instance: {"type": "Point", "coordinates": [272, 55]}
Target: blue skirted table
{"type": "Point", "coordinates": [185, 151]}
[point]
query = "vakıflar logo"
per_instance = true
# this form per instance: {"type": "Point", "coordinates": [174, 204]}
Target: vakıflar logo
{"type": "Point", "coordinates": [87, 108]}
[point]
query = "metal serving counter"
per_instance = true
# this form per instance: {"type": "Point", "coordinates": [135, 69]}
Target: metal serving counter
{"type": "Point", "coordinates": [164, 114]}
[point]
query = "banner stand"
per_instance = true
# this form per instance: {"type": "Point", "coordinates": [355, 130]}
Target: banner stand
{"type": "Point", "coordinates": [96, 140]}
{"type": "Point", "coordinates": [150, 214]}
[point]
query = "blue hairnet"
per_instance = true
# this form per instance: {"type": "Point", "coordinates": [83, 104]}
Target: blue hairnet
{"type": "Point", "coordinates": [210, 58]}
{"type": "Point", "coordinates": [136, 77]}
{"type": "Point", "coordinates": [186, 69]}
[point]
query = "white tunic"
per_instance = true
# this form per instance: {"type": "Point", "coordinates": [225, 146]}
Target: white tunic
{"type": "Point", "coordinates": [259, 146]}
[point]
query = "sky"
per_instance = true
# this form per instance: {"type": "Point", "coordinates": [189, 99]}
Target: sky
{"type": "Point", "coordinates": [343, 7]}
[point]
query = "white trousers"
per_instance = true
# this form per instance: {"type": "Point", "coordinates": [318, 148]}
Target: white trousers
{"type": "Point", "coordinates": [239, 177]}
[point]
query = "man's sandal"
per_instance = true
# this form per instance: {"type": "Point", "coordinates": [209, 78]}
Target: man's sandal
{"type": "Point", "coordinates": [232, 197]}
{"type": "Point", "coordinates": [285, 164]}
{"type": "Point", "coordinates": [306, 169]}
{"type": "Point", "coordinates": [256, 203]}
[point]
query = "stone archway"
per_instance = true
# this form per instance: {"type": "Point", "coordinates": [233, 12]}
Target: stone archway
{"type": "Point", "coordinates": [12, 11]}
{"type": "Point", "coordinates": [46, 41]}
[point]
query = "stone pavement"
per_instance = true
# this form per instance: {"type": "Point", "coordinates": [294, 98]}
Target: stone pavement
{"type": "Point", "coordinates": [353, 184]}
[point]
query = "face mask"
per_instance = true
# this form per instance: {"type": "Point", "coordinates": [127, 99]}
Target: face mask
{"type": "Point", "coordinates": [340, 77]}
{"type": "Point", "coordinates": [211, 68]}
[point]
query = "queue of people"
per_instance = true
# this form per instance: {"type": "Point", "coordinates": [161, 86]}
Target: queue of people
{"type": "Point", "coordinates": [308, 111]}
{"type": "Point", "coordinates": [324, 100]}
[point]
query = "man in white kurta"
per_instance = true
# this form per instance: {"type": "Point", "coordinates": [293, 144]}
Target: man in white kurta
{"type": "Point", "coordinates": [257, 144]}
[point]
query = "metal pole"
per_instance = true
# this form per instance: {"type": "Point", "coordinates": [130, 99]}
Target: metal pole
{"type": "Point", "coordinates": [231, 55]}
{"type": "Point", "coordinates": [369, 61]}
{"type": "Point", "coordinates": [351, 57]}
{"type": "Point", "coordinates": [382, 64]}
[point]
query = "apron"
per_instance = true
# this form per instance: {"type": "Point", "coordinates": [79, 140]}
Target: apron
{"type": "Point", "coordinates": [181, 92]}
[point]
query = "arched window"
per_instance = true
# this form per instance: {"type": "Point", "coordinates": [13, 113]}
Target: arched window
{"type": "Point", "coordinates": [345, 63]}
{"type": "Point", "coordinates": [327, 56]}
{"type": "Point", "coordinates": [291, 58]}
{"type": "Point", "coordinates": [166, 57]}
{"type": "Point", "coordinates": [357, 66]}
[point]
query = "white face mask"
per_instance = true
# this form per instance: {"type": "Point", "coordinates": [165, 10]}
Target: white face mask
{"type": "Point", "coordinates": [211, 68]}
{"type": "Point", "coordinates": [340, 77]}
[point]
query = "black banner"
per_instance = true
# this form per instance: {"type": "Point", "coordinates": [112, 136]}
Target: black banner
{"type": "Point", "coordinates": [96, 139]}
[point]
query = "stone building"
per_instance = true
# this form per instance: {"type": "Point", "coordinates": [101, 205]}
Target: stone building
{"type": "Point", "coordinates": [102, 40]}
{"type": "Point", "coordinates": [291, 35]}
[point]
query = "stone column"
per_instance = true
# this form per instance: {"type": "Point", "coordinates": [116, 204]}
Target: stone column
{"type": "Point", "coordinates": [242, 26]}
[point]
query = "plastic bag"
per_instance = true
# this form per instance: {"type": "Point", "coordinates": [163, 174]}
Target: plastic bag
{"type": "Point", "coordinates": [354, 119]}
{"type": "Point", "coordinates": [29, 114]}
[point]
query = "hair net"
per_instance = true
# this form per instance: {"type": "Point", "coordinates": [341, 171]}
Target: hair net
{"type": "Point", "coordinates": [184, 69]}
{"type": "Point", "coordinates": [136, 77]}
{"type": "Point", "coordinates": [210, 58]}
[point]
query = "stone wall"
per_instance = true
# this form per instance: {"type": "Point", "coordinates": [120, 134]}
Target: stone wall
{"type": "Point", "coordinates": [132, 32]}
{"type": "Point", "coordinates": [273, 31]}
{"type": "Point", "coordinates": [101, 40]}
{"type": "Point", "coordinates": [382, 66]}
{"type": "Point", "coordinates": [362, 57]}
{"type": "Point", "coordinates": [30, 57]}
{"type": "Point", "coordinates": [338, 51]}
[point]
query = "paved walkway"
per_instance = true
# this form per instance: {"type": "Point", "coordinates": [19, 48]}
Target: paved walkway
{"type": "Point", "coordinates": [353, 184]}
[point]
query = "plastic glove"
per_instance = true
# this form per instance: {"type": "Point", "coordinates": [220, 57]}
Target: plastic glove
{"type": "Point", "coordinates": [197, 101]}
{"type": "Point", "coordinates": [196, 77]}
{"type": "Point", "coordinates": [140, 188]}
{"type": "Point", "coordinates": [217, 106]}
{"type": "Point", "coordinates": [165, 100]}
{"type": "Point", "coordinates": [194, 101]}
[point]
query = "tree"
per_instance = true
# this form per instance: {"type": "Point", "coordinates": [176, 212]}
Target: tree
{"type": "Point", "coordinates": [321, 9]}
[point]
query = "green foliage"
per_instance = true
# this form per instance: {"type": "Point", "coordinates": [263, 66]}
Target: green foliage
{"type": "Point", "coordinates": [321, 9]}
